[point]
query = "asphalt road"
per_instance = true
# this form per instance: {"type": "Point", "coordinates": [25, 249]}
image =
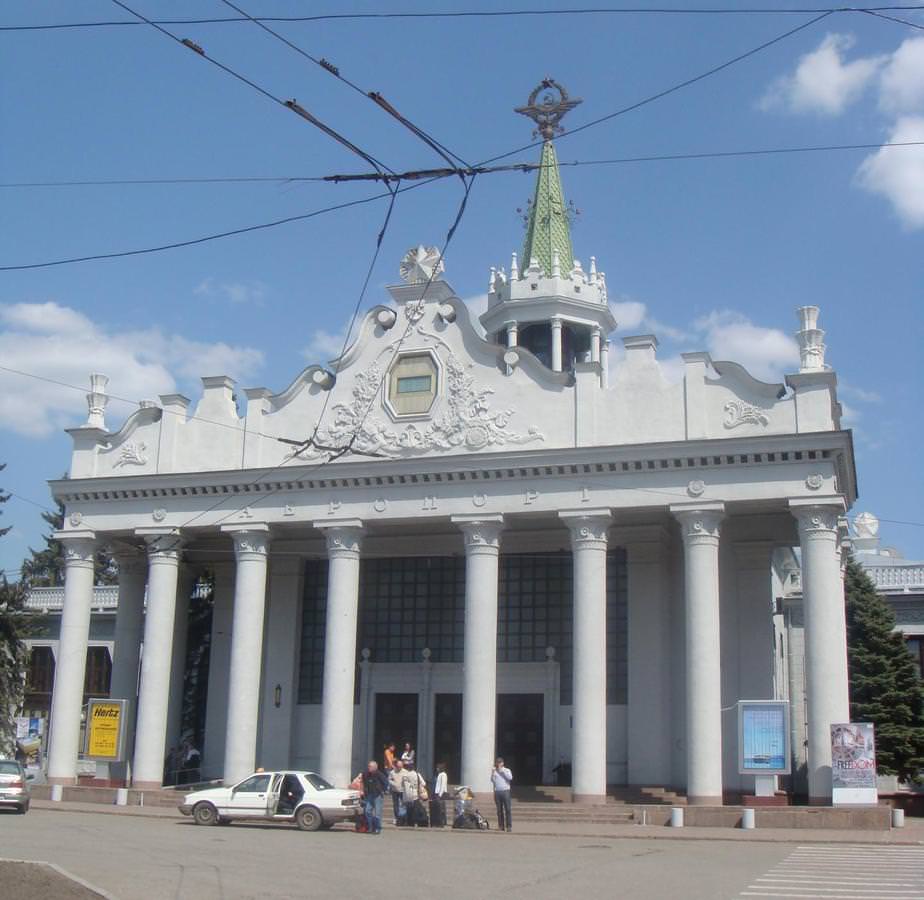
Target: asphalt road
{"type": "Point", "coordinates": [135, 858]}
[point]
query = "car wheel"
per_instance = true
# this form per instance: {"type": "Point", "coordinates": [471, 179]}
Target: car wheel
{"type": "Point", "coordinates": [22, 810]}
{"type": "Point", "coordinates": [308, 819]}
{"type": "Point", "coordinates": [205, 814]}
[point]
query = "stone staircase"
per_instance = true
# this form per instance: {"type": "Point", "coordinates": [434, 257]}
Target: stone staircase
{"type": "Point", "coordinates": [544, 803]}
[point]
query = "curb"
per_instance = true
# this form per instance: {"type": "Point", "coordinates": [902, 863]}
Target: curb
{"type": "Point", "coordinates": [70, 876]}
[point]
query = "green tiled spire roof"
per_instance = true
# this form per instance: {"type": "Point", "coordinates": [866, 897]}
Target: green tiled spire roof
{"type": "Point", "coordinates": [548, 229]}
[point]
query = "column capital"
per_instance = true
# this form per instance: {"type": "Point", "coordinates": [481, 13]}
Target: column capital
{"type": "Point", "coordinates": [698, 521]}
{"type": "Point", "coordinates": [818, 515]}
{"type": "Point", "coordinates": [164, 544]}
{"type": "Point", "coordinates": [481, 533]}
{"type": "Point", "coordinates": [555, 321]}
{"type": "Point", "coordinates": [250, 541]}
{"type": "Point", "coordinates": [588, 527]}
{"type": "Point", "coordinates": [344, 536]}
{"type": "Point", "coordinates": [79, 547]}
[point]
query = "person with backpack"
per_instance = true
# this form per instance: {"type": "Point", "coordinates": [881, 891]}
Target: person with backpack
{"type": "Point", "coordinates": [501, 779]}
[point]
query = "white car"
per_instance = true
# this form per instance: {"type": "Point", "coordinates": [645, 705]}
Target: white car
{"type": "Point", "coordinates": [14, 786]}
{"type": "Point", "coordinates": [304, 798]}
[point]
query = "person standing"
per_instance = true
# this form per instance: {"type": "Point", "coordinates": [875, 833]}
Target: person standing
{"type": "Point", "coordinates": [408, 756]}
{"type": "Point", "coordinates": [389, 758]}
{"type": "Point", "coordinates": [437, 801]}
{"type": "Point", "coordinates": [396, 785]}
{"type": "Point", "coordinates": [375, 786]}
{"type": "Point", "coordinates": [501, 779]}
{"type": "Point", "coordinates": [414, 794]}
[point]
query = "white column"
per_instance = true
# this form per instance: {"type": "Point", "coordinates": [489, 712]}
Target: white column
{"type": "Point", "coordinates": [251, 543]}
{"type": "Point", "coordinates": [512, 338]}
{"type": "Point", "coordinates": [71, 660]}
{"type": "Point", "coordinates": [344, 540]}
{"type": "Point", "coordinates": [479, 674]}
{"type": "Point", "coordinates": [826, 687]}
{"type": "Point", "coordinates": [425, 743]}
{"type": "Point", "coordinates": [556, 343]}
{"type": "Point", "coordinates": [164, 551]}
{"type": "Point", "coordinates": [133, 576]}
{"type": "Point", "coordinates": [605, 364]}
{"type": "Point", "coordinates": [699, 525]}
{"type": "Point", "coordinates": [588, 755]}
{"type": "Point", "coordinates": [126, 655]}
{"type": "Point", "coordinates": [595, 344]}
{"type": "Point", "coordinates": [185, 581]}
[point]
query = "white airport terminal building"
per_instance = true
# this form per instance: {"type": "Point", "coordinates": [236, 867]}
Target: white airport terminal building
{"type": "Point", "coordinates": [497, 541]}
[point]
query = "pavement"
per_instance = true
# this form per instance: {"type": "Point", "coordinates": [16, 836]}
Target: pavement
{"type": "Point", "coordinates": [912, 834]}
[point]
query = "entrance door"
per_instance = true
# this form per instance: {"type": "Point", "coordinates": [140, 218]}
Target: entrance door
{"type": "Point", "coordinates": [447, 734]}
{"type": "Point", "coordinates": [395, 722]}
{"type": "Point", "coordinates": [519, 735]}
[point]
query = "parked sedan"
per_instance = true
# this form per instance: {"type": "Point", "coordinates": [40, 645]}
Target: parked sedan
{"type": "Point", "coordinates": [14, 787]}
{"type": "Point", "coordinates": [304, 798]}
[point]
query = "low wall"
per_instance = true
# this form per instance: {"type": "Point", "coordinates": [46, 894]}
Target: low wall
{"type": "Point", "coordinates": [872, 818]}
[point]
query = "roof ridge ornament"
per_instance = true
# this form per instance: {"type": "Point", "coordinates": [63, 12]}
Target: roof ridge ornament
{"type": "Point", "coordinates": [550, 110]}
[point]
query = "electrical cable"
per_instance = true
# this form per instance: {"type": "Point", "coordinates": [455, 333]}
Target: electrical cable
{"type": "Point", "coordinates": [670, 90]}
{"type": "Point", "coordinates": [331, 69]}
{"type": "Point", "coordinates": [880, 15]}
{"type": "Point", "coordinates": [476, 14]}
{"type": "Point", "coordinates": [288, 104]}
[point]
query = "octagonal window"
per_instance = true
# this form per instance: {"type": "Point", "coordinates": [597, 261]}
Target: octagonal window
{"type": "Point", "coordinates": [412, 384]}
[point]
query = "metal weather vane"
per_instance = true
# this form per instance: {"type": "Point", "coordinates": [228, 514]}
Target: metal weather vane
{"type": "Point", "coordinates": [550, 110]}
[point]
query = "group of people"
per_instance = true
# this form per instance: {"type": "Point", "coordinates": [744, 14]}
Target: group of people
{"type": "Point", "coordinates": [182, 764]}
{"type": "Point", "coordinates": [413, 802]}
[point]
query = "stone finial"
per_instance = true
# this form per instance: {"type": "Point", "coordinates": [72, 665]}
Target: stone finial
{"type": "Point", "coordinates": [97, 400]}
{"type": "Point", "coordinates": [556, 264]}
{"type": "Point", "coordinates": [514, 267]}
{"type": "Point", "coordinates": [491, 280]}
{"type": "Point", "coordinates": [811, 343]}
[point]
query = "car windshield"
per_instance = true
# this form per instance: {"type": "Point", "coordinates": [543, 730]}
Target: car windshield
{"type": "Point", "coordinates": [318, 783]}
{"type": "Point", "coordinates": [8, 768]}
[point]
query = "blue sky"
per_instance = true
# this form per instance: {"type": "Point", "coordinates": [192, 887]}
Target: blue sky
{"type": "Point", "coordinates": [711, 254]}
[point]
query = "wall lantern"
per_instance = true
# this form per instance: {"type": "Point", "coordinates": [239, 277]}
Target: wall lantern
{"type": "Point", "coordinates": [277, 696]}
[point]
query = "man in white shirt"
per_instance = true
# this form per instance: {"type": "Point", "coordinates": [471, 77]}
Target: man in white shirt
{"type": "Point", "coordinates": [502, 778]}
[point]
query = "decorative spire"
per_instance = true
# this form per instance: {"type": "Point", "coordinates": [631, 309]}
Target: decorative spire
{"type": "Point", "coordinates": [547, 230]}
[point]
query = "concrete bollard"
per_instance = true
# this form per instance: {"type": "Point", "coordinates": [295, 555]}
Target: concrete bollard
{"type": "Point", "coordinates": [898, 818]}
{"type": "Point", "coordinates": [676, 817]}
{"type": "Point", "coordinates": [57, 792]}
{"type": "Point", "coordinates": [121, 797]}
{"type": "Point", "coordinates": [747, 818]}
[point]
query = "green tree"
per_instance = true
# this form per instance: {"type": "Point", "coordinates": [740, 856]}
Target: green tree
{"type": "Point", "coordinates": [884, 685]}
{"type": "Point", "coordinates": [45, 567]}
{"type": "Point", "coordinates": [12, 650]}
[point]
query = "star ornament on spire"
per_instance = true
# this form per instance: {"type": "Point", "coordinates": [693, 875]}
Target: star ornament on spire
{"type": "Point", "coordinates": [548, 111]}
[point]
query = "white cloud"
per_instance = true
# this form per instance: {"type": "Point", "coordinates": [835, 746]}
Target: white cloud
{"type": "Point", "coordinates": [767, 353]}
{"type": "Point", "coordinates": [61, 344]}
{"type": "Point", "coordinates": [325, 346]}
{"type": "Point", "coordinates": [237, 292]}
{"type": "Point", "coordinates": [845, 389]}
{"type": "Point", "coordinates": [901, 88]}
{"type": "Point", "coordinates": [823, 82]}
{"type": "Point", "coordinates": [897, 173]}
{"type": "Point", "coordinates": [629, 314]}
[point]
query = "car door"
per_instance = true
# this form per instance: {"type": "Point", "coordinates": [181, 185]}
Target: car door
{"type": "Point", "coordinates": [272, 795]}
{"type": "Point", "coordinates": [248, 797]}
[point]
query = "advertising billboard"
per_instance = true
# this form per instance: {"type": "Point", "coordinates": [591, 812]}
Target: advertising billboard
{"type": "Point", "coordinates": [853, 764]}
{"type": "Point", "coordinates": [763, 737]}
{"type": "Point", "coordinates": [105, 737]}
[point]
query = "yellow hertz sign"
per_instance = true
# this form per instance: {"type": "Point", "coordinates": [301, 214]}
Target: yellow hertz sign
{"type": "Point", "coordinates": [104, 730]}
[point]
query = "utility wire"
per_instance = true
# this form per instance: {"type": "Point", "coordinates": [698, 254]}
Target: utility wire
{"type": "Point", "coordinates": [288, 104]}
{"type": "Point", "coordinates": [880, 15]}
{"type": "Point", "coordinates": [483, 170]}
{"type": "Point", "coordinates": [477, 14]}
{"type": "Point", "coordinates": [380, 101]}
{"type": "Point", "coordinates": [670, 90]}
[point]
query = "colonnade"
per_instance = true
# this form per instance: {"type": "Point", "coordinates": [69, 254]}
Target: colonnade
{"type": "Point", "coordinates": [700, 525]}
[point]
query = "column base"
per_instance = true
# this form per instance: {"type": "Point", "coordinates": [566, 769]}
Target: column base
{"type": "Point", "coordinates": [704, 801]}
{"type": "Point", "coordinates": [147, 785]}
{"type": "Point", "coordinates": [589, 799]}
{"type": "Point", "coordinates": [66, 781]}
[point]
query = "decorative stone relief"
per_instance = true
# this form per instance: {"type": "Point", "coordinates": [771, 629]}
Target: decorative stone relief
{"type": "Point", "coordinates": [700, 524]}
{"type": "Point", "coordinates": [817, 519]}
{"type": "Point", "coordinates": [159, 514]}
{"type": "Point", "coordinates": [250, 542]}
{"type": "Point", "coordinates": [380, 504]}
{"type": "Point", "coordinates": [479, 499]}
{"type": "Point", "coordinates": [421, 264]}
{"type": "Point", "coordinates": [289, 510]}
{"type": "Point", "coordinates": [589, 531]}
{"type": "Point", "coordinates": [467, 422]}
{"type": "Point", "coordinates": [737, 412]}
{"type": "Point", "coordinates": [75, 518]}
{"type": "Point", "coordinates": [79, 551]}
{"type": "Point", "coordinates": [132, 453]}
{"type": "Point", "coordinates": [814, 481]}
{"type": "Point", "coordinates": [696, 488]}
{"type": "Point", "coordinates": [482, 535]}
{"type": "Point", "coordinates": [343, 540]}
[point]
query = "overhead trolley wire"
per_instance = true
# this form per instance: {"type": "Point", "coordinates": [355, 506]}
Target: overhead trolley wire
{"type": "Point", "coordinates": [292, 105]}
{"type": "Point", "coordinates": [477, 14]}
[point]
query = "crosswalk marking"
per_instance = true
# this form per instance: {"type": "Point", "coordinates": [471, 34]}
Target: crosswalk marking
{"type": "Point", "coordinates": [844, 872]}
